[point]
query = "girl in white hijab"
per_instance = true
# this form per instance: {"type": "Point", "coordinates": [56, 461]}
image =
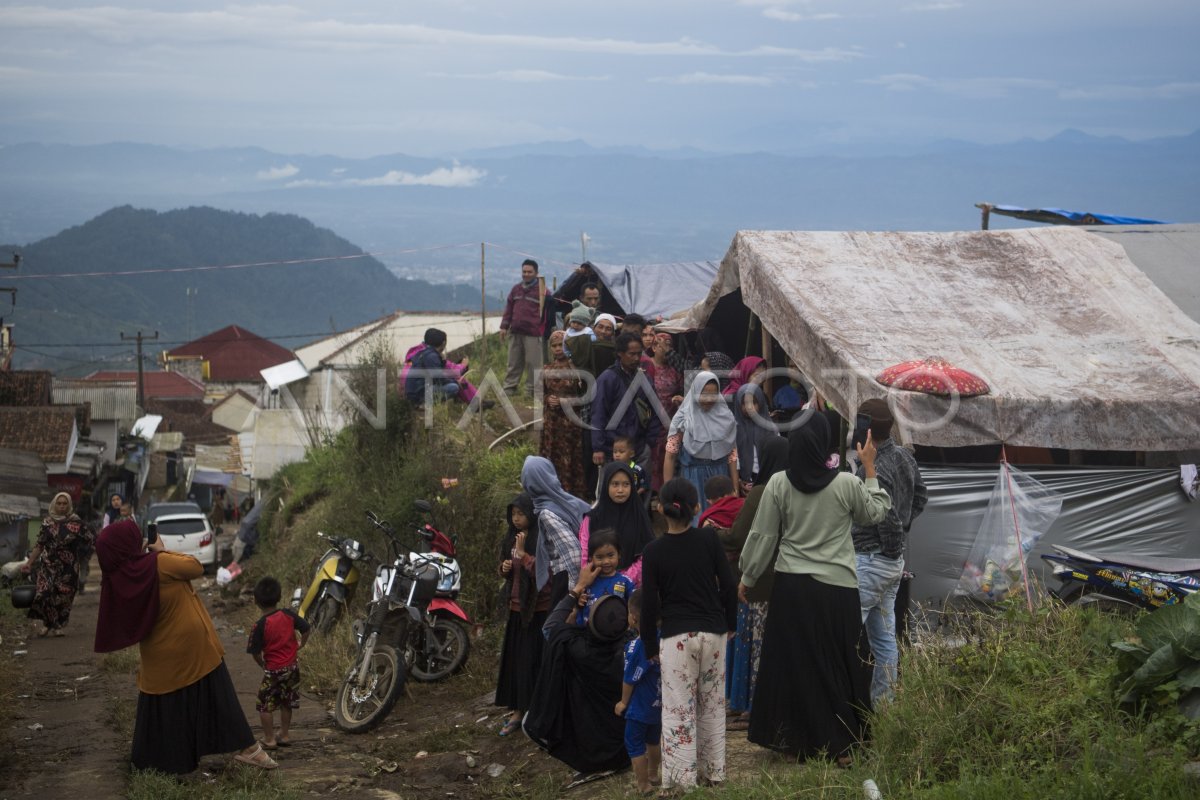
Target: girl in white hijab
{"type": "Point", "coordinates": [702, 437]}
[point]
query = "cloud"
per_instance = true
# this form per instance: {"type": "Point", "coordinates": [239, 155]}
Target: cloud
{"type": "Point", "coordinates": [795, 16]}
{"type": "Point", "coordinates": [978, 88]}
{"type": "Point", "coordinates": [1163, 91]}
{"type": "Point", "coordinates": [521, 76]}
{"type": "Point", "coordinates": [694, 78]}
{"type": "Point", "coordinates": [289, 27]}
{"type": "Point", "coordinates": [947, 5]}
{"type": "Point", "coordinates": [277, 173]}
{"type": "Point", "coordinates": [455, 177]}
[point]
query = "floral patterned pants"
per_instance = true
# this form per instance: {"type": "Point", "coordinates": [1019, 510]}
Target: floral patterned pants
{"type": "Point", "coordinates": [693, 714]}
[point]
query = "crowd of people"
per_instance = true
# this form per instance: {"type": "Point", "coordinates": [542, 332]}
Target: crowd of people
{"type": "Point", "coordinates": [662, 575]}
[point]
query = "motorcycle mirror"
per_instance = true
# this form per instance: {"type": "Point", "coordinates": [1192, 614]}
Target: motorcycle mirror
{"type": "Point", "coordinates": [423, 505]}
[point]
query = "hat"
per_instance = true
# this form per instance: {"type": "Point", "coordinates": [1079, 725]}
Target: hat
{"type": "Point", "coordinates": [580, 313]}
{"type": "Point", "coordinates": [609, 618]}
{"type": "Point", "coordinates": [788, 399]}
{"type": "Point", "coordinates": [435, 337]}
{"type": "Point", "coordinates": [609, 318]}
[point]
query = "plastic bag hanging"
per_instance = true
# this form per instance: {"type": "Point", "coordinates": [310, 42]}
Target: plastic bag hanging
{"type": "Point", "coordinates": [1020, 511]}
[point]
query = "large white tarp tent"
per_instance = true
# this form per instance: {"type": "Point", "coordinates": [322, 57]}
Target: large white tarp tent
{"type": "Point", "coordinates": [654, 290]}
{"type": "Point", "coordinates": [1081, 349]}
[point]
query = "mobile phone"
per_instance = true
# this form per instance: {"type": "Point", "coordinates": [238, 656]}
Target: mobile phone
{"type": "Point", "coordinates": [862, 424]}
{"type": "Point", "coordinates": [151, 532]}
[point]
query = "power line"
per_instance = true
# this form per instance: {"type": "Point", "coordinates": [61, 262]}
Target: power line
{"type": "Point", "coordinates": [247, 265]}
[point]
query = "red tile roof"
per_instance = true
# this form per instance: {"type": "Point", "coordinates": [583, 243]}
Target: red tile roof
{"type": "Point", "coordinates": [25, 388]}
{"type": "Point", "coordinates": [235, 354]}
{"type": "Point", "coordinates": [161, 385]}
{"type": "Point", "coordinates": [45, 431]}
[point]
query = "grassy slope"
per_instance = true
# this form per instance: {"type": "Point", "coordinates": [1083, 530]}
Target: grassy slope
{"type": "Point", "coordinates": [1024, 709]}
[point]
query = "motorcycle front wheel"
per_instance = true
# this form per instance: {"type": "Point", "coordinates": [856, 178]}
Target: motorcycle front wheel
{"type": "Point", "coordinates": [326, 614]}
{"type": "Point", "coordinates": [451, 645]}
{"type": "Point", "coordinates": [358, 710]}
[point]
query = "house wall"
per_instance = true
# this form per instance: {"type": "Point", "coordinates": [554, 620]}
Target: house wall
{"type": "Point", "coordinates": [235, 414]}
{"type": "Point", "coordinates": [106, 430]}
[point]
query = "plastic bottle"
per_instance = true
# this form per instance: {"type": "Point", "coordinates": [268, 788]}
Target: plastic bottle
{"type": "Point", "coordinates": [871, 791]}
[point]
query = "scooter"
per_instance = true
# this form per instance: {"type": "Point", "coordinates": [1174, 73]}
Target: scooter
{"type": "Point", "coordinates": [333, 584]}
{"type": "Point", "coordinates": [1121, 583]}
{"type": "Point", "coordinates": [439, 648]}
{"type": "Point", "coordinates": [398, 618]}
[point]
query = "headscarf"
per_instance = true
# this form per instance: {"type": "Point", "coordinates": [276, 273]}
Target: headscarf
{"type": "Point", "coordinates": [70, 508]}
{"type": "Point", "coordinates": [628, 519]}
{"type": "Point", "coordinates": [709, 435]}
{"type": "Point", "coordinates": [609, 318]}
{"type": "Point", "coordinates": [808, 448]}
{"type": "Point", "coordinates": [128, 587]}
{"type": "Point", "coordinates": [608, 618]}
{"type": "Point", "coordinates": [525, 503]}
{"type": "Point", "coordinates": [752, 432]}
{"type": "Point", "coordinates": [740, 375]}
{"type": "Point", "coordinates": [772, 457]}
{"type": "Point", "coordinates": [541, 482]}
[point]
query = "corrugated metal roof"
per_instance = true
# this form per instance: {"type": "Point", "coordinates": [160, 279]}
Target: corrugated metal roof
{"type": "Point", "coordinates": [398, 332]}
{"type": "Point", "coordinates": [115, 401]}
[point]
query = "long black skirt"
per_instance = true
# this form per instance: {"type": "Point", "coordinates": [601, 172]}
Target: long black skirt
{"type": "Point", "coordinates": [520, 660]}
{"type": "Point", "coordinates": [174, 730]}
{"type": "Point", "coordinates": [812, 672]}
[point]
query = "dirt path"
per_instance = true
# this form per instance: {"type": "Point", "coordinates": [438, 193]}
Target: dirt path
{"type": "Point", "coordinates": [64, 738]}
{"type": "Point", "coordinates": [71, 729]}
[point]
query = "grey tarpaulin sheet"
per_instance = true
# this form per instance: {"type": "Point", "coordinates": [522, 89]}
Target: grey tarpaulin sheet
{"type": "Point", "coordinates": [1168, 254]}
{"type": "Point", "coordinates": [1135, 512]}
{"type": "Point", "coordinates": [657, 289]}
{"type": "Point", "coordinates": [1081, 350]}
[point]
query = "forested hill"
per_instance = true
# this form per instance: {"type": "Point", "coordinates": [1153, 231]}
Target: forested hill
{"type": "Point", "coordinates": [291, 303]}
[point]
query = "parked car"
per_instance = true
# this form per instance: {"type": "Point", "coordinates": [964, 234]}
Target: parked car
{"type": "Point", "coordinates": [184, 528]}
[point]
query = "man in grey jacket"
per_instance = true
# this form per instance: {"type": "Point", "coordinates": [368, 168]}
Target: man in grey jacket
{"type": "Point", "coordinates": [879, 549]}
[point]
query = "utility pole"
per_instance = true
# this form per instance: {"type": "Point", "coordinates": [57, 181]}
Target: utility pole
{"type": "Point", "coordinates": [141, 375]}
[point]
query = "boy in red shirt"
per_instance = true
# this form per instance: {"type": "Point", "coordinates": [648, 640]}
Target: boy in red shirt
{"type": "Point", "coordinates": [724, 503]}
{"type": "Point", "coordinates": [273, 645]}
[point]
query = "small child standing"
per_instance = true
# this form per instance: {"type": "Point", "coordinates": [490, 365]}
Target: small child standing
{"type": "Point", "coordinates": [724, 502]}
{"type": "Point", "coordinates": [273, 645]}
{"type": "Point", "coordinates": [641, 705]}
{"type": "Point", "coordinates": [623, 453]}
{"type": "Point", "coordinates": [600, 576]}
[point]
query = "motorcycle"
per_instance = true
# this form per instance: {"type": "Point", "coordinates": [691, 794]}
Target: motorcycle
{"type": "Point", "coordinates": [1121, 583]}
{"type": "Point", "coordinates": [439, 648]}
{"type": "Point", "coordinates": [333, 584]}
{"type": "Point", "coordinates": [407, 627]}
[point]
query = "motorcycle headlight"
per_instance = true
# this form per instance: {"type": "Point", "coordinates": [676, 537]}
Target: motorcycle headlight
{"type": "Point", "coordinates": [352, 549]}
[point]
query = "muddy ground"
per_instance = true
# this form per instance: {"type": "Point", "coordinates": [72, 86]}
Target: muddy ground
{"type": "Point", "coordinates": [72, 716]}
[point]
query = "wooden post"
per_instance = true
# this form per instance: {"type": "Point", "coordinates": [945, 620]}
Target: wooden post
{"type": "Point", "coordinates": [483, 342]}
{"type": "Point", "coordinates": [985, 211]}
{"type": "Point", "coordinates": [767, 353]}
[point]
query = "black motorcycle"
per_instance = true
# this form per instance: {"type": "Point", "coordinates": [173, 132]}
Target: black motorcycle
{"type": "Point", "coordinates": [1121, 583]}
{"type": "Point", "coordinates": [399, 609]}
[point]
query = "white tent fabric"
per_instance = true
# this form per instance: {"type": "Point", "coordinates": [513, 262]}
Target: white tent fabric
{"type": "Point", "coordinates": [1081, 350]}
{"type": "Point", "coordinates": [657, 289]}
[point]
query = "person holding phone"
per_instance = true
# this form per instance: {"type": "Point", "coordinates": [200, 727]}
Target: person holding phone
{"type": "Point", "coordinates": [815, 684]}
{"type": "Point", "coordinates": [879, 548]}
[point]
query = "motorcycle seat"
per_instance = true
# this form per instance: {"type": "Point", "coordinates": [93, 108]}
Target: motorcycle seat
{"type": "Point", "coordinates": [1176, 565]}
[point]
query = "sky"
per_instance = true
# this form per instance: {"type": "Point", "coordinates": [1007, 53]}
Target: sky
{"type": "Point", "coordinates": [448, 76]}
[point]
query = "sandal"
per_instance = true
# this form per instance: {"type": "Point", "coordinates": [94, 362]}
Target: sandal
{"type": "Point", "coordinates": [268, 745]}
{"type": "Point", "coordinates": [58, 632]}
{"type": "Point", "coordinates": [283, 742]}
{"type": "Point", "coordinates": [258, 758]}
{"type": "Point", "coordinates": [510, 727]}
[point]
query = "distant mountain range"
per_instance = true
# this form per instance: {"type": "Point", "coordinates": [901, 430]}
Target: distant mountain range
{"type": "Point", "coordinates": [637, 205]}
{"type": "Point", "coordinates": [74, 324]}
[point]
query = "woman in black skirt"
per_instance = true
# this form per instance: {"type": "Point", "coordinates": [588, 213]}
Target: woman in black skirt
{"type": "Point", "coordinates": [187, 706]}
{"type": "Point", "coordinates": [521, 655]}
{"type": "Point", "coordinates": [816, 682]}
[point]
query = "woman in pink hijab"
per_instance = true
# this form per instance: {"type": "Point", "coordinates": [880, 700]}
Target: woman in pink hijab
{"type": "Point", "coordinates": [744, 372]}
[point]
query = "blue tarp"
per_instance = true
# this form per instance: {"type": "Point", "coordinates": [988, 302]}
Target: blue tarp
{"type": "Point", "coordinates": [1062, 216]}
